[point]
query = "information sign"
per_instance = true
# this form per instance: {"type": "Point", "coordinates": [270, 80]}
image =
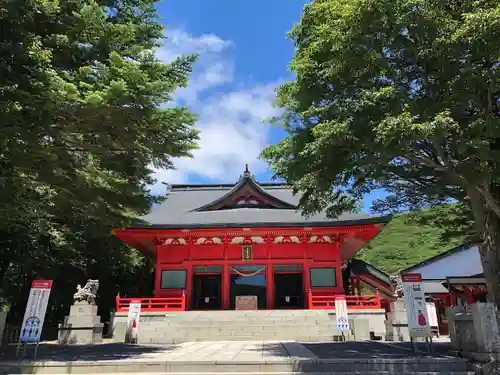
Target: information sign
{"type": "Point", "coordinates": [134, 312]}
{"type": "Point", "coordinates": [36, 308]}
{"type": "Point", "coordinates": [246, 303]}
{"type": "Point", "coordinates": [341, 314]}
{"type": "Point", "coordinates": [416, 308]}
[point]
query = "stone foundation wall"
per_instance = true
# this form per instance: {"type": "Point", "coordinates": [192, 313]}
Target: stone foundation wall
{"type": "Point", "coordinates": [310, 325]}
{"type": "Point", "coordinates": [475, 334]}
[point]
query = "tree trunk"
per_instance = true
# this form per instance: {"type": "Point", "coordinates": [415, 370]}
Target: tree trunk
{"type": "Point", "coordinates": [488, 225]}
{"type": "Point", "coordinates": [490, 255]}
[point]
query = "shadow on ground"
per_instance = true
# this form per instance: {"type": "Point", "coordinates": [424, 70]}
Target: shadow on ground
{"type": "Point", "coordinates": [68, 353]}
{"type": "Point", "coordinates": [365, 357]}
{"type": "Point", "coordinates": [362, 349]}
{"type": "Point", "coordinates": [375, 350]}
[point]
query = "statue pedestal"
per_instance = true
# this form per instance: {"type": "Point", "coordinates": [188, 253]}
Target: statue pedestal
{"type": "Point", "coordinates": [81, 327]}
{"type": "Point", "coordinates": [396, 324]}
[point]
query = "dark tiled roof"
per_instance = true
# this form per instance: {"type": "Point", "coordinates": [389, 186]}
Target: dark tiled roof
{"type": "Point", "coordinates": [433, 287]}
{"type": "Point", "coordinates": [360, 267]}
{"type": "Point", "coordinates": [177, 211]}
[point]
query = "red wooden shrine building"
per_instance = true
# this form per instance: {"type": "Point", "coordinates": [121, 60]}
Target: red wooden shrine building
{"type": "Point", "coordinates": [213, 243]}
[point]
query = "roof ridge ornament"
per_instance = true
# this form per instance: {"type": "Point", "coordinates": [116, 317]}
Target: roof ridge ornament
{"type": "Point", "coordinates": [247, 174]}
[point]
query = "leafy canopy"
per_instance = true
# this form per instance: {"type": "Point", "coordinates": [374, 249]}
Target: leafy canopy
{"type": "Point", "coordinates": [84, 122]}
{"type": "Point", "coordinates": [394, 94]}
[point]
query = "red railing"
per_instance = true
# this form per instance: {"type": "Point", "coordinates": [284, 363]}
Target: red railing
{"type": "Point", "coordinates": [153, 304]}
{"type": "Point", "coordinates": [353, 302]}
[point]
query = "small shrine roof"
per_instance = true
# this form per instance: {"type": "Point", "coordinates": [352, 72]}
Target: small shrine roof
{"type": "Point", "coordinates": [221, 205]}
{"type": "Point", "coordinates": [360, 267]}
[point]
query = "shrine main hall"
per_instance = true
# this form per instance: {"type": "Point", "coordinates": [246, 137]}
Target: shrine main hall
{"type": "Point", "coordinates": [216, 243]}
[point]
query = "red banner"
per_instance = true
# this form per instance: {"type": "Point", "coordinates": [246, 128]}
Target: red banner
{"type": "Point", "coordinates": [411, 277]}
{"type": "Point", "coordinates": [41, 284]}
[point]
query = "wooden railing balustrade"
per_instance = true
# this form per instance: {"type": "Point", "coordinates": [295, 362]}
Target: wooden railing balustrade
{"type": "Point", "coordinates": [318, 302]}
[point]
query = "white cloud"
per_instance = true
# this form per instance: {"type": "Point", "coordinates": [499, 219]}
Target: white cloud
{"type": "Point", "coordinates": [178, 42]}
{"type": "Point", "coordinates": [232, 133]}
{"type": "Point", "coordinates": [211, 70]}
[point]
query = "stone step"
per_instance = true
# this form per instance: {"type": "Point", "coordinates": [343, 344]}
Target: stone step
{"type": "Point", "coordinates": [232, 327]}
{"type": "Point", "coordinates": [264, 335]}
{"type": "Point", "coordinates": [256, 329]}
{"type": "Point", "coordinates": [241, 320]}
{"type": "Point", "coordinates": [295, 373]}
{"type": "Point", "coordinates": [228, 317]}
{"type": "Point", "coordinates": [233, 323]}
{"type": "Point", "coordinates": [419, 366]}
{"type": "Point", "coordinates": [178, 340]}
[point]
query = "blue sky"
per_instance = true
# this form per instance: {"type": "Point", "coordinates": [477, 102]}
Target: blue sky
{"type": "Point", "coordinates": [244, 55]}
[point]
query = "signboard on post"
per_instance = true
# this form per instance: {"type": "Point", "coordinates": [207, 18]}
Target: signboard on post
{"type": "Point", "coordinates": [246, 303]}
{"type": "Point", "coordinates": [36, 308]}
{"type": "Point", "coordinates": [134, 312]}
{"type": "Point", "coordinates": [416, 308]}
{"type": "Point", "coordinates": [341, 314]}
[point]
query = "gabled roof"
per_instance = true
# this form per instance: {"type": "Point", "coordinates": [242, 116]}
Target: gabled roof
{"type": "Point", "coordinates": [247, 193]}
{"type": "Point", "coordinates": [360, 267]}
{"type": "Point", "coordinates": [216, 206]}
{"type": "Point", "coordinates": [462, 260]}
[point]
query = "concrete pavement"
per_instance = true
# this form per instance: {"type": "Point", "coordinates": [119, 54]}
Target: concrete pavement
{"type": "Point", "coordinates": [278, 357]}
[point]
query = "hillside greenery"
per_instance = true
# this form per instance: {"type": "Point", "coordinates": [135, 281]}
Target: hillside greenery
{"type": "Point", "coordinates": [416, 236]}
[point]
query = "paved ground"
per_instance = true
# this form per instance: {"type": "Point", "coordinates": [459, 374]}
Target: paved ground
{"type": "Point", "coordinates": [228, 351]}
{"type": "Point", "coordinates": [375, 349]}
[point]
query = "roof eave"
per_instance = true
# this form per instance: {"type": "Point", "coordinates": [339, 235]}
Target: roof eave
{"type": "Point", "coordinates": [340, 223]}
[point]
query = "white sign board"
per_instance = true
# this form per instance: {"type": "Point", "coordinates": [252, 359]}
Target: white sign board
{"type": "Point", "coordinates": [134, 312]}
{"type": "Point", "coordinates": [341, 314]}
{"type": "Point", "coordinates": [36, 308]}
{"type": "Point", "coordinates": [432, 314]}
{"type": "Point", "coordinates": [416, 307]}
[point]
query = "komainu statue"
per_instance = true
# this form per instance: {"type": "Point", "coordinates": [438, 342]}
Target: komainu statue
{"type": "Point", "coordinates": [87, 294]}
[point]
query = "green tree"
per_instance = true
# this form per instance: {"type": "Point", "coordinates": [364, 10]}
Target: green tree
{"type": "Point", "coordinates": [84, 122]}
{"type": "Point", "coordinates": [402, 95]}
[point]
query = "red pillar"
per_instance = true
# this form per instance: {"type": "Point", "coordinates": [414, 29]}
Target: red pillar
{"type": "Point", "coordinates": [226, 284]}
{"type": "Point", "coordinates": [270, 285]}
{"type": "Point", "coordinates": [189, 286]}
{"type": "Point", "coordinates": [157, 288]}
{"type": "Point", "coordinates": [307, 284]}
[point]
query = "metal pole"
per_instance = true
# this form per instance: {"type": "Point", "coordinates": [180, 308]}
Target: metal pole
{"type": "Point", "coordinates": [36, 350]}
{"type": "Point", "coordinates": [18, 346]}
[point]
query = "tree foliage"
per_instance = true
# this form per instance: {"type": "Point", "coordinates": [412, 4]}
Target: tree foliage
{"type": "Point", "coordinates": [401, 95]}
{"type": "Point", "coordinates": [83, 125]}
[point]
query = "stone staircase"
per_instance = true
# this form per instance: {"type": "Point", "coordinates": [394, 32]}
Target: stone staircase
{"type": "Point", "coordinates": [299, 325]}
